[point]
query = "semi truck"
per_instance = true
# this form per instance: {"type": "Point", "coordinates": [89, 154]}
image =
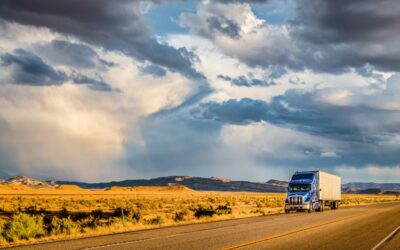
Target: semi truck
{"type": "Point", "coordinates": [313, 191]}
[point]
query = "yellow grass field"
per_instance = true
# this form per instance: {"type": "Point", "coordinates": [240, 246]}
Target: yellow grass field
{"type": "Point", "coordinates": [69, 211]}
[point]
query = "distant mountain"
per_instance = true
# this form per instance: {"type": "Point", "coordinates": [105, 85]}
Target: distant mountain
{"type": "Point", "coordinates": [196, 183]}
{"type": "Point", "coordinates": [370, 188]}
{"type": "Point", "coordinates": [223, 184]}
{"type": "Point", "coordinates": [23, 180]}
{"type": "Point", "coordinates": [284, 184]}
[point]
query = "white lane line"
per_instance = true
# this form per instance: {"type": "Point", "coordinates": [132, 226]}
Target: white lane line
{"type": "Point", "coordinates": [386, 238]}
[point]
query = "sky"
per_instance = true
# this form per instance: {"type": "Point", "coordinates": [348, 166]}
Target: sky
{"type": "Point", "coordinates": [101, 90]}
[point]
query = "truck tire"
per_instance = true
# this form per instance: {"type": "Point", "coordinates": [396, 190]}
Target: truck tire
{"type": "Point", "coordinates": [311, 209]}
{"type": "Point", "coordinates": [286, 211]}
{"type": "Point", "coordinates": [321, 206]}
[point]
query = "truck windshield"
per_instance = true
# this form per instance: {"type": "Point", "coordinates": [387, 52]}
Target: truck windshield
{"type": "Point", "coordinates": [303, 176]}
{"type": "Point", "coordinates": [294, 188]}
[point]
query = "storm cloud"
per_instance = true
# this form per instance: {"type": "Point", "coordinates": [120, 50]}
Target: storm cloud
{"type": "Point", "coordinates": [92, 83]}
{"type": "Point", "coordinates": [243, 81]}
{"type": "Point", "coordinates": [153, 70]}
{"type": "Point", "coordinates": [323, 36]}
{"type": "Point", "coordinates": [26, 68]}
{"type": "Point", "coordinates": [306, 112]}
{"type": "Point", "coordinates": [353, 33]}
{"type": "Point", "coordinates": [113, 25]}
{"type": "Point", "coordinates": [78, 55]}
{"type": "Point", "coordinates": [223, 25]}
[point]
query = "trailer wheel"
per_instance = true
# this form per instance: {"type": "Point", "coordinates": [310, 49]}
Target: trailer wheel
{"type": "Point", "coordinates": [321, 206]}
{"type": "Point", "coordinates": [311, 209]}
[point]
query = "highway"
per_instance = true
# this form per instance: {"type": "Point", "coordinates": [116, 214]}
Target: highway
{"type": "Point", "coordinates": [360, 227]}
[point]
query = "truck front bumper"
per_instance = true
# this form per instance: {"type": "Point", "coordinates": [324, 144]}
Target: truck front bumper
{"type": "Point", "coordinates": [304, 206]}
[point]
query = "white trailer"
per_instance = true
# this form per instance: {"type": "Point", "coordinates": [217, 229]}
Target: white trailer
{"type": "Point", "coordinates": [330, 193]}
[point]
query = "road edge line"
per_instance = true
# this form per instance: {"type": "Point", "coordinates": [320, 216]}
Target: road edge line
{"type": "Point", "coordinates": [386, 239]}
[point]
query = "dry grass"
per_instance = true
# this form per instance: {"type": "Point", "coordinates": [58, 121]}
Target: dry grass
{"type": "Point", "coordinates": [69, 211]}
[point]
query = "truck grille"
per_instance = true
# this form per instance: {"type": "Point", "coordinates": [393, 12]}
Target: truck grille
{"type": "Point", "coordinates": [296, 200]}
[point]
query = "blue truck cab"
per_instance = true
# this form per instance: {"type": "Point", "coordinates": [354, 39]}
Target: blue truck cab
{"type": "Point", "coordinates": [312, 190]}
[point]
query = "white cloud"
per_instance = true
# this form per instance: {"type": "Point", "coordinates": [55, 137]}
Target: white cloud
{"type": "Point", "coordinates": [329, 154]}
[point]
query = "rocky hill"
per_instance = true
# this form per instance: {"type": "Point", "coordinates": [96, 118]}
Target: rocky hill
{"type": "Point", "coordinates": [23, 180]}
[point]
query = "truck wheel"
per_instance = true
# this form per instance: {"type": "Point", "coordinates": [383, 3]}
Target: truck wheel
{"type": "Point", "coordinates": [286, 211]}
{"type": "Point", "coordinates": [311, 209]}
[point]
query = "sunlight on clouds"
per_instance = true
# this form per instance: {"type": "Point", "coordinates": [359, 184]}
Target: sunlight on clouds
{"type": "Point", "coordinates": [14, 35]}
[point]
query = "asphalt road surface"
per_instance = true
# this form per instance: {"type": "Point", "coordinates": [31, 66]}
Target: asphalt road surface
{"type": "Point", "coordinates": [362, 227]}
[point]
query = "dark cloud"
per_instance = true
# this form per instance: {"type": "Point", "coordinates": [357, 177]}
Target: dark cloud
{"type": "Point", "coordinates": [324, 36]}
{"type": "Point", "coordinates": [241, 1]}
{"type": "Point", "coordinates": [76, 55]}
{"type": "Point", "coordinates": [304, 112]}
{"type": "Point", "coordinates": [200, 93]}
{"type": "Point", "coordinates": [154, 70]}
{"type": "Point", "coordinates": [349, 33]}
{"type": "Point", "coordinates": [348, 21]}
{"type": "Point", "coordinates": [243, 81]}
{"type": "Point", "coordinates": [224, 26]}
{"type": "Point", "coordinates": [94, 84]}
{"type": "Point", "coordinates": [234, 111]}
{"type": "Point", "coordinates": [27, 68]}
{"type": "Point", "coordinates": [114, 25]}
